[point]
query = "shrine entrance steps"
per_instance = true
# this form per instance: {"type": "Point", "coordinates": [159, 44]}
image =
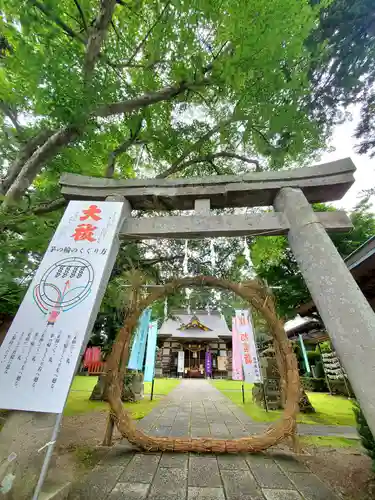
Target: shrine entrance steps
{"type": "Point", "coordinates": [198, 409]}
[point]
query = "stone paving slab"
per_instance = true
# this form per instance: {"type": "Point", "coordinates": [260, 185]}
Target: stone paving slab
{"type": "Point", "coordinates": [232, 462]}
{"type": "Point", "coordinates": [130, 491]}
{"type": "Point", "coordinates": [141, 469]}
{"type": "Point", "coordinates": [204, 472]}
{"type": "Point", "coordinates": [170, 480]}
{"type": "Point", "coordinates": [161, 430]}
{"type": "Point", "coordinates": [98, 484]}
{"type": "Point", "coordinates": [281, 495]}
{"type": "Point", "coordinates": [119, 455]}
{"type": "Point", "coordinates": [176, 460]}
{"type": "Point", "coordinates": [205, 493]}
{"type": "Point", "coordinates": [311, 487]}
{"type": "Point", "coordinates": [179, 432]}
{"type": "Point", "coordinates": [240, 484]}
{"type": "Point", "coordinates": [269, 475]}
{"type": "Point", "coordinates": [129, 475]}
{"type": "Point", "coordinates": [219, 430]}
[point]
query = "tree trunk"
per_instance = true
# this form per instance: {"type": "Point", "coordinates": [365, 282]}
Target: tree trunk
{"type": "Point", "coordinates": [100, 389]}
{"type": "Point", "coordinates": [131, 389]}
{"type": "Point", "coordinates": [305, 405]}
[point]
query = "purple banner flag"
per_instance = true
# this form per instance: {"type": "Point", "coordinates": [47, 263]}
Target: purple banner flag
{"type": "Point", "coordinates": [208, 364]}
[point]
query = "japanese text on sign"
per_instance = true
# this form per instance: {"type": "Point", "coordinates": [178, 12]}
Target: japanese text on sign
{"type": "Point", "coordinates": [40, 352]}
{"type": "Point", "coordinates": [245, 332]}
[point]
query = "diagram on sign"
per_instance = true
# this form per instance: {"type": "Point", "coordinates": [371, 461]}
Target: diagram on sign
{"type": "Point", "coordinates": [63, 286]}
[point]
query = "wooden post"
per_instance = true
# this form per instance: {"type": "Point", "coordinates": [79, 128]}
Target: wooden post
{"type": "Point", "coordinates": [152, 389]}
{"type": "Point", "coordinates": [107, 441]}
{"type": "Point", "coordinates": [265, 397]}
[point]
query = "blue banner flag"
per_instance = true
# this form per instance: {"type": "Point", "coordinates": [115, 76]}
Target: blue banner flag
{"type": "Point", "coordinates": [139, 342]}
{"type": "Point", "coordinates": [151, 351]}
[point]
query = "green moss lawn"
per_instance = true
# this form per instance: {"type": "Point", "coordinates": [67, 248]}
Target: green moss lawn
{"type": "Point", "coordinates": [330, 442]}
{"type": "Point", "coordinates": [330, 410]}
{"type": "Point", "coordinates": [78, 399]}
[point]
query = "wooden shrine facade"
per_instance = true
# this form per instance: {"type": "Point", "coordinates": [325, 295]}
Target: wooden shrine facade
{"type": "Point", "coordinates": [194, 334]}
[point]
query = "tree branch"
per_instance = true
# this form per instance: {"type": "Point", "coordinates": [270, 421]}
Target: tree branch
{"type": "Point", "coordinates": [226, 154]}
{"type": "Point", "coordinates": [121, 149]}
{"type": "Point", "coordinates": [164, 94]}
{"type": "Point", "coordinates": [40, 209]}
{"type": "Point", "coordinates": [227, 46]}
{"type": "Point", "coordinates": [221, 154]}
{"type": "Point", "coordinates": [35, 163]}
{"type": "Point", "coordinates": [12, 115]}
{"type": "Point", "coordinates": [97, 35]}
{"type": "Point", "coordinates": [45, 208]}
{"type": "Point", "coordinates": [175, 167]}
{"type": "Point", "coordinates": [24, 154]}
{"type": "Point", "coordinates": [143, 41]}
{"type": "Point", "coordinates": [32, 159]}
{"type": "Point", "coordinates": [48, 13]}
{"type": "Point", "coordinates": [82, 15]}
{"type": "Point", "coordinates": [149, 65]}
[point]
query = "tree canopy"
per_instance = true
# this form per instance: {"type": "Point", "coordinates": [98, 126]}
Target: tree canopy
{"type": "Point", "coordinates": [343, 67]}
{"type": "Point", "coordinates": [85, 82]}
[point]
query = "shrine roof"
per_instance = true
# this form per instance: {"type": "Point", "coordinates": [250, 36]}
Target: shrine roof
{"type": "Point", "coordinates": [199, 325]}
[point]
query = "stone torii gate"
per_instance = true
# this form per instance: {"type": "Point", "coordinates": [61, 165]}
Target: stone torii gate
{"type": "Point", "coordinates": [346, 313]}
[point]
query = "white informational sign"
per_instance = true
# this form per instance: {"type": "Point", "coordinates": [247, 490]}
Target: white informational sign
{"type": "Point", "coordinates": [222, 363]}
{"type": "Point", "coordinates": [39, 354]}
{"type": "Point", "coordinates": [181, 362]}
{"type": "Point", "coordinates": [249, 354]}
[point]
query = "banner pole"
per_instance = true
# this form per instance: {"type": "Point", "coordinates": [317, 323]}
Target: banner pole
{"type": "Point", "coordinates": [48, 456]}
{"type": "Point", "coordinates": [152, 389]}
{"type": "Point", "coordinates": [264, 396]}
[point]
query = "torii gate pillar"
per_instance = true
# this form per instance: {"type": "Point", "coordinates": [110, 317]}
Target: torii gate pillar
{"type": "Point", "coordinates": [347, 315]}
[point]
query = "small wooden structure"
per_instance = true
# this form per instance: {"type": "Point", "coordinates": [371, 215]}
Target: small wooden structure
{"type": "Point", "coordinates": [96, 368]}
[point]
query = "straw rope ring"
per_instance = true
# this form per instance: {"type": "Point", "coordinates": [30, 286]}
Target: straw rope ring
{"type": "Point", "coordinates": [258, 297]}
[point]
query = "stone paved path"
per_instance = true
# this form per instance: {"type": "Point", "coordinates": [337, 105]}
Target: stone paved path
{"type": "Point", "coordinates": [198, 409]}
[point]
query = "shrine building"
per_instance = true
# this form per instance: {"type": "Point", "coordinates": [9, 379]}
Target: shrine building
{"type": "Point", "coordinates": [183, 341]}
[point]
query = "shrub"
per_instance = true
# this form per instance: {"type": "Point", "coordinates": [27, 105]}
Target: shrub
{"type": "Point", "coordinates": [338, 386]}
{"type": "Point", "coordinates": [367, 439]}
{"type": "Point", "coordinates": [314, 384]}
{"type": "Point", "coordinates": [326, 347]}
{"type": "Point", "coordinates": [319, 369]}
{"type": "Point", "coordinates": [313, 357]}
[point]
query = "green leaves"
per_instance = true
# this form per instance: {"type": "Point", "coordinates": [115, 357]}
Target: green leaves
{"type": "Point", "coordinates": [275, 262]}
